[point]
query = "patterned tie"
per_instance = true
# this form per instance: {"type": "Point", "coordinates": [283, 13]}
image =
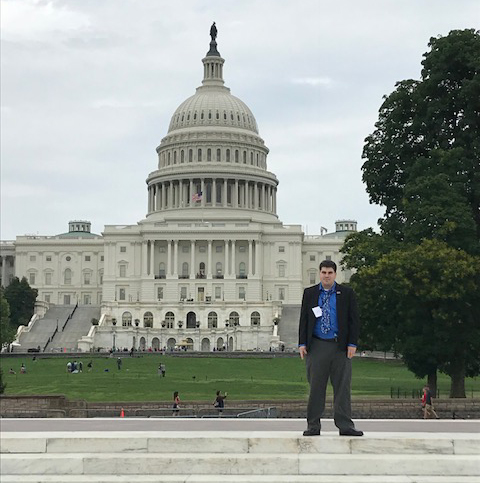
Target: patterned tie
{"type": "Point", "coordinates": [324, 302]}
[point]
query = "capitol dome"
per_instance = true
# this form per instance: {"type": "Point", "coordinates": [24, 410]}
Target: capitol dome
{"type": "Point", "coordinates": [213, 106]}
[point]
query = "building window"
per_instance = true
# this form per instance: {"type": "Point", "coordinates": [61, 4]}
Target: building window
{"type": "Point", "coordinates": [100, 278]}
{"type": "Point", "coordinates": [212, 320]}
{"type": "Point", "coordinates": [169, 320]}
{"type": "Point", "coordinates": [123, 249]}
{"type": "Point", "coordinates": [101, 258]}
{"type": "Point", "coordinates": [87, 299]}
{"type": "Point", "coordinates": [126, 319]}
{"type": "Point", "coordinates": [123, 271]}
{"type": "Point", "coordinates": [328, 257]}
{"type": "Point", "coordinates": [185, 248]}
{"type": "Point", "coordinates": [242, 269]}
{"type": "Point", "coordinates": [281, 270]}
{"type": "Point", "coordinates": [281, 293]}
{"type": "Point", "coordinates": [48, 258]}
{"type": "Point", "coordinates": [68, 258]}
{"type": "Point", "coordinates": [33, 258]}
{"type": "Point", "coordinates": [31, 278]}
{"type": "Point", "coordinates": [159, 293]}
{"type": "Point", "coordinates": [121, 294]}
{"type": "Point", "coordinates": [219, 155]}
{"type": "Point", "coordinates": [255, 318]}
{"type": "Point", "coordinates": [281, 249]}
{"type": "Point", "coordinates": [162, 249]}
{"type": "Point", "coordinates": [48, 278]}
{"type": "Point", "coordinates": [46, 297]}
{"type": "Point", "coordinates": [228, 155]}
{"type": "Point", "coordinates": [161, 270]}
{"type": "Point", "coordinates": [312, 258]}
{"type": "Point", "coordinates": [242, 248]}
{"type": "Point", "coordinates": [241, 293]}
{"type": "Point", "coordinates": [313, 277]}
{"type": "Point", "coordinates": [209, 154]}
{"type": "Point", "coordinates": [218, 293]}
{"type": "Point", "coordinates": [185, 271]}
{"type": "Point", "coordinates": [218, 248]}
{"type": "Point", "coordinates": [67, 277]}
{"type": "Point", "coordinates": [234, 319]}
{"type": "Point", "coordinates": [236, 155]}
{"type": "Point", "coordinates": [183, 293]}
{"type": "Point", "coordinates": [190, 154]}
{"type": "Point", "coordinates": [199, 155]}
{"type": "Point", "coordinates": [182, 156]}
{"type": "Point", "coordinates": [86, 278]}
{"type": "Point", "coordinates": [202, 248]}
{"type": "Point", "coordinates": [87, 258]}
{"type": "Point", "coordinates": [219, 269]}
{"type": "Point", "coordinates": [148, 319]}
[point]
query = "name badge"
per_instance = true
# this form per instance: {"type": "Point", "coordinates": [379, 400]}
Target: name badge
{"type": "Point", "coordinates": [317, 311]}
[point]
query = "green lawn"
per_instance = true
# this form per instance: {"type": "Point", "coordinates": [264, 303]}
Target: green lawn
{"type": "Point", "coordinates": [199, 378]}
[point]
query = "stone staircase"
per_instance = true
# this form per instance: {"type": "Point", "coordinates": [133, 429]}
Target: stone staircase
{"type": "Point", "coordinates": [238, 457]}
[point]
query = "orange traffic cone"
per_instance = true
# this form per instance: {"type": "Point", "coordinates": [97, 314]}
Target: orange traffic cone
{"type": "Point", "coordinates": [122, 413]}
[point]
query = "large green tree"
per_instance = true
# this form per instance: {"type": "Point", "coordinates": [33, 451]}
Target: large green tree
{"type": "Point", "coordinates": [422, 163]}
{"type": "Point", "coordinates": [7, 331]}
{"type": "Point", "coordinates": [21, 300]}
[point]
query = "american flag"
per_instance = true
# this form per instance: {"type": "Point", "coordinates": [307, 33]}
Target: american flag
{"type": "Point", "coordinates": [197, 196]}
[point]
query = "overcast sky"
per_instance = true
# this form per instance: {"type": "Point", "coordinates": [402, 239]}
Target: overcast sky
{"type": "Point", "coordinates": [88, 88]}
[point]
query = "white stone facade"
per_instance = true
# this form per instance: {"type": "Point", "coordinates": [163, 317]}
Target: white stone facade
{"type": "Point", "coordinates": [211, 265]}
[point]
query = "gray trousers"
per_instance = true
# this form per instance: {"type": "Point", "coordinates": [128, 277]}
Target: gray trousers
{"type": "Point", "coordinates": [325, 360]}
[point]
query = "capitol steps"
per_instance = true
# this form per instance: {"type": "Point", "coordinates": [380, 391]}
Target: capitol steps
{"type": "Point", "coordinates": [239, 457]}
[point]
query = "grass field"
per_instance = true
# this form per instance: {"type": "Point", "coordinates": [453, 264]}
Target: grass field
{"type": "Point", "coordinates": [198, 378]}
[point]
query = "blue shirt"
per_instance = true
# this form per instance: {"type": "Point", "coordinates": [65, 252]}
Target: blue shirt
{"type": "Point", "coordinates": [333, 332]}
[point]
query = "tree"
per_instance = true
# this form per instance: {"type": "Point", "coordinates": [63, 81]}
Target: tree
{"type": "Point", "coordinates": [21, 300]}
{"type": "Point", "coordinates": [424, 303]}
{"type": "Point", "coordinates": [427, 138]}
{"type": "Point", "coordinates": [7, 332]}
{"type": "Point", "coordinates": [422, 164]}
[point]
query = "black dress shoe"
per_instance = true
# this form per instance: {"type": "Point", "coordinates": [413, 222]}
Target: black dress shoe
{"type": "Point", "coordinates": [351, 432]}
{"type": "Point", "coordinates": [311, 432]}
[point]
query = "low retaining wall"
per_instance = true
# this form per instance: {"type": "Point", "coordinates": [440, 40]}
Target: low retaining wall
{"type": "Point", "coordinates": [61, 407]}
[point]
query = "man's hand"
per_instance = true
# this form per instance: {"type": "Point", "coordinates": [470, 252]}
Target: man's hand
{"type": "Point", "coordinates": [303, 351]}
{"type": "Point", "coordinates": [351, 351]}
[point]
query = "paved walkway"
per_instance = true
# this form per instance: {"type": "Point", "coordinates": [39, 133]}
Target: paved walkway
{"type": "Point", "coordinates": [226, 424]}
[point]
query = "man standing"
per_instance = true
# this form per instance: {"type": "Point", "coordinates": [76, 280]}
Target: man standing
{"type": "Point", "coordinates": [328, 335]}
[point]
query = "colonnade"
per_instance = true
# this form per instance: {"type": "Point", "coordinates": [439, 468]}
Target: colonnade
{"type": "Point", "coordinates": [151, 258]}
{"type": "Point", "coordinates": [214, 192]}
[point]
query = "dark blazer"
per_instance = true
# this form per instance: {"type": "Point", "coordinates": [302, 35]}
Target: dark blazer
{"type": "Point", "coordinates": [347, 316]}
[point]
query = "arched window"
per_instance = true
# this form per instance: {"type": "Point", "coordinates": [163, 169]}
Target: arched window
{"type": "Point", "coordinates": [67, 277]}
{"type": "Point", "coordinates": [244, 157]}
{"type": "Point", "coordinates": [241, 269]}
{"type": "Point", "coordinates": [202, 270]}
{"type": "Point", "coordinates": [182, 156]}
{"type": "Point", "coordinates": [126, 319]}
{"type": "Point", "coordinates": [236, 155]}
{"type": "Point", "coordinates": [219, 155]}
{"type": "Point", "coordinates": [255, 318]}
{"type": "Point", "coordinates": [174, 157]}
{"type": "Point", "coordinates": [219, 269]}
{"type": "Point", "coordinates": [169, 320]}
{"type": "Point", "coordinates": [212, 320]}
{"type": "Point", "coordinates": [161, 270]}
{"type": "Point", "coordinates": [228, 155]}
{"type": "Point", "coordinates": [190, 155]}
{"type": "Point", "coordinates": [234, 318]}
{"type": "Point", "coordinates": [148, 319]}
{"type": "Point", "coordinates": [185, 271]}
{"type": "Point", "coordinates": [168, 158]}
{"type": "Point", "coordinates": [199, 155]}
{"type": "Point", "coordinates": [209, 154]}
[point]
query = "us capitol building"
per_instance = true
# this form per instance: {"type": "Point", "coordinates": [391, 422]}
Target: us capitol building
{"type": "Point", "coordinates": [211, 265]}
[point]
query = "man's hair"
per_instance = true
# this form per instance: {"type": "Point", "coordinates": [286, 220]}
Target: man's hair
{"type": "Point", "coordinates": [328, 264]}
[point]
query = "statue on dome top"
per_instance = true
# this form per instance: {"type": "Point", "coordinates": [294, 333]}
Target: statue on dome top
{"type": "Point", "coordinates": [213, 32]}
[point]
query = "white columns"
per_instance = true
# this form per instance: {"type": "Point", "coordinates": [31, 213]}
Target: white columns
{"type": "Point", "coordinates": [144, 258]}
{"type": "Point", "coordinates": [191, 193]}
{"type": "Point", "coordinates": [235, 197]}
{"type": "Point", "coordinates": [234, 268]}
{"type": "Point", "coordinates": [4, 271]}
{"type": "Point", "coordinates": [169, 258]}
{"type": "Point", "coordinates": [170, 195]}
{"type": "Point", "coordinates": [209, 260]}
{"type": "Point", "coordinates": [175, 258]}
{"type": "Point", "coordinates": [152, 256]}
{"type": "Point", "coordinates": [250, 258]}
{"type": "Point", "coordinates": [214, 192]}
{"type": "Point", "coordinates": [274, 207]}
{"type": "Point", "coordinates": [227, 268]}
{"type": "Point", "coordinates": [225, 193]}
{"type": "Point", "coordinates": [192, 259]}
{"type": "Point", "coordinates": [257, 258]}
